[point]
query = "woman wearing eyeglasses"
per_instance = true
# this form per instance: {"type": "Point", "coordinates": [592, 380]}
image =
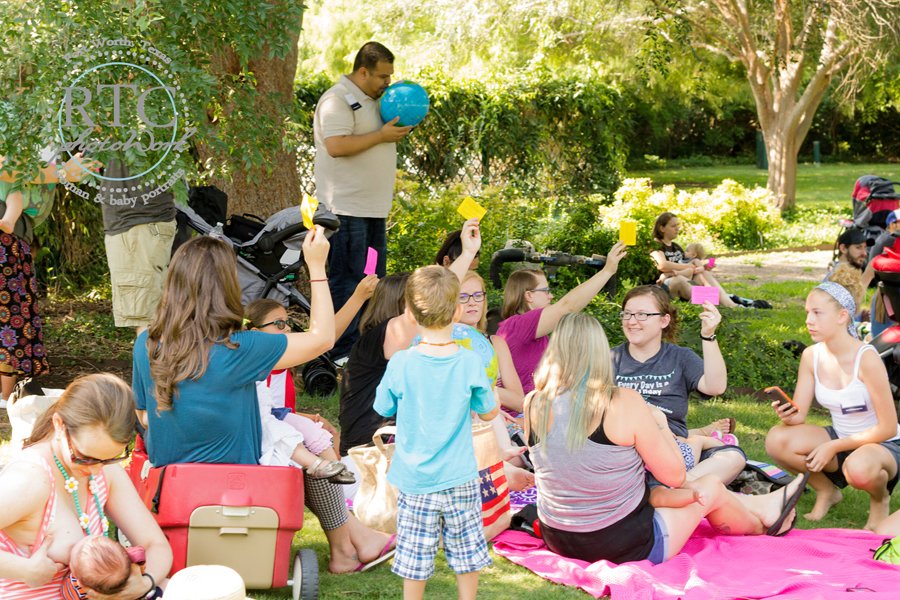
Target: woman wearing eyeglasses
{"type": "Point", "coordinates": [530, 315]}
{"type": "Point", "coordinates": [67, 484]}
{"type": "Point", "coordinates": [195, 372]}
{"type": "Point", "coordinates": [665, 374]}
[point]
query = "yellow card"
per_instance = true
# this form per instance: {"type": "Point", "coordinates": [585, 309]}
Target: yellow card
{"type": "Point", "coordinates": [470, 209]}
{"type": "Point", "coordinates": [308, 210]}
{"type": "Point", "coordinates": [628, 232]}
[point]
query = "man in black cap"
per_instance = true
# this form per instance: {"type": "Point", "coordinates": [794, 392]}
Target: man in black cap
{"type": "Point", "coordinates": [853, 248]}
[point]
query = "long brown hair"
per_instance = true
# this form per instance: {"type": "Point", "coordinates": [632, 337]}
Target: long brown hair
{"type": "Point", "coordinates": [200, 306]}
{"type": "Point", "coordinates": [257, 310]}
{"type": "Point", "coordinates": [518, 283]}
{"type": "Point", "coordinates": [388, 301]}
{"type": "Point", "coordinates": [661, 221]}
{"type": "Point", "coordinates": [98, 399]}
{"type": "Point", "coordinates": [663, 304]}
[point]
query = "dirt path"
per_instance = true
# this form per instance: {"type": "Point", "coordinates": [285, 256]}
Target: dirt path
{"type": "Point", "coordinates": [763, 267]}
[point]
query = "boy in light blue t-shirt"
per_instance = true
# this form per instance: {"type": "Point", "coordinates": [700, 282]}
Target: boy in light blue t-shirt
{"type": "Point", "coordinates": [432, 388]}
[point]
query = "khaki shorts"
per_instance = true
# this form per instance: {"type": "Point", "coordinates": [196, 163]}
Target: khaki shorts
{"type": "Point", "coordinates": [138, 259]}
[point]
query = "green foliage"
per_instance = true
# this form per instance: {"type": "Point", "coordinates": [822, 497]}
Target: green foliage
{"type": "Point", "coordinates": [542, 135]}
{"type": "Point", "coordinates": [729, 216]}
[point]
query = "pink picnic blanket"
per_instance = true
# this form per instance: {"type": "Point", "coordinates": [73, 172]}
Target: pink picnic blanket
{"type": "Point", "coordinates": [808, 564]}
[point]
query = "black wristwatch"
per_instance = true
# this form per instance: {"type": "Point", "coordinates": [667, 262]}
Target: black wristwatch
{"type": "Point", "coordinates": [711, 338]}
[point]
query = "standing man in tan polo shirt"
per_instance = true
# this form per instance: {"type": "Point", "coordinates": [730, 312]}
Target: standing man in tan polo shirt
{"type": "Point", "coordinates": [356, 162]}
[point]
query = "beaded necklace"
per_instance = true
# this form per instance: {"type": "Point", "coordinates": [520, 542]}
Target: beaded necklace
{"type": "Point", "coordinates": [71, 485]}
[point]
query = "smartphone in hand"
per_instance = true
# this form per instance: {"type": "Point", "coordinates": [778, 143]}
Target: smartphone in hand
{"type": "Point", "coordinates": [775, 393]}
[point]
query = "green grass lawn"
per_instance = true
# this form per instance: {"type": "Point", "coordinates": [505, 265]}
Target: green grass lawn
{"type": "Point", "coordinates": [827, 186]}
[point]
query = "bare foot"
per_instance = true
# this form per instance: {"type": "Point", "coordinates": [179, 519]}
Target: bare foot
{"type": "Point", "coordinates": [346, 564]}
{"type": "Point", "coordinates": [518, 478]}
{"type": "Point", "coordinates": [878, 512]}
{"type": "Point", "coordinates": [722, 426]}
{"type": "Point", "coordinates": [824, 502]}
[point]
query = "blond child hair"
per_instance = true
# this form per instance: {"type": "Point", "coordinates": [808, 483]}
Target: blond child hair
{"type": "Point", "coordinates": [432, 295]}
{"type": "Point", "coordinates": [695, 250]}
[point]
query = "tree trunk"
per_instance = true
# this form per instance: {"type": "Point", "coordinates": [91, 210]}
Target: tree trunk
{"type": "Point", "coordinates": [265, 189]}
{"type": "Point", "coordinates": [781, 150]}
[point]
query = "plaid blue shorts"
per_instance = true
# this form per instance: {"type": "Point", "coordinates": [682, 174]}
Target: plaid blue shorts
{"type": "Point", "coordinates": [422, 518]}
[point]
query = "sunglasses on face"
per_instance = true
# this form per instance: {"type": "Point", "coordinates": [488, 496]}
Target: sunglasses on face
{"type": "Point", "coordinates": [476, 296]}
{"type": "Point", "coordinates": [80, 459]}
{"type": "Point", "coordinates": [280, 324]}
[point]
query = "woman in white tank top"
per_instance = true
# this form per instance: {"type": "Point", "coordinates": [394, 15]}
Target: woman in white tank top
{"type": "Point", "coordinates": [847, 377]}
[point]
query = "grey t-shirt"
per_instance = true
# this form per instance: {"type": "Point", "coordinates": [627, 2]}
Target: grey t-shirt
{"type": "Point", "coordinates": [665, 380]}
{"type": "Point", "coordinates": [124, 210]}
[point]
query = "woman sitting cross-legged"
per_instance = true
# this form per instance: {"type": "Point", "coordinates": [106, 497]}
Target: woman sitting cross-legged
{"type": "Point", "coordinates": [665, 374]}
{"type": "Point", "coordinates": [592, 443]}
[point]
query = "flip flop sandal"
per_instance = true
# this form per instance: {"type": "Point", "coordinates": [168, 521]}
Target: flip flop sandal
{"type": "Point", "coordinates": [787, 505]}
{"type": "Point", "coordinates": [324, 469]}
{"type": "Point", "coordinates": [344, 477]}
{"type": "Point", "coordinates": [386, 553]}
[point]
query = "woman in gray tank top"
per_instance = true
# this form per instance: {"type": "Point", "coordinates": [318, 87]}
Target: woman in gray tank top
{"type": "Point", "coordinates": [592, 443]}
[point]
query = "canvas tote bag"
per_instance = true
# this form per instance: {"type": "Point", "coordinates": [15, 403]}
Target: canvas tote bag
{"type": "Point", "coordinates": [375, 503]}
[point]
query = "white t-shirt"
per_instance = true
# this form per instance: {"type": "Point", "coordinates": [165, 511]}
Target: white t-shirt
{"type": "Point", "coordinates": [361, 185]}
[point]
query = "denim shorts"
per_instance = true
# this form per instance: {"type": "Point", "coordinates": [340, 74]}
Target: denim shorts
{"type": "Point", "coordinates": [837, 477]}
{"type": "Point", "coordinates": [660, 548]}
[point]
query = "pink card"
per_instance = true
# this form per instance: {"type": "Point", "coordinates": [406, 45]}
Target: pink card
{"type": "Point", "coordinates": [704, 293]}
{"type": "Point", "coordinates": [371, 261]}
{"type": "Point", "coordinates": [711, 263]}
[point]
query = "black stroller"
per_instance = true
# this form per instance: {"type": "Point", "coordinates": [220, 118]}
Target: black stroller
{"type": "Point", "coordinates": [268, 257]}
{"type": "Point", "coordinates": [873, 199]}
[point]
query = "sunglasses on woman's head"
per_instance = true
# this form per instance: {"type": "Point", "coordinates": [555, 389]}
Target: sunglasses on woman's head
{"type": "Point", "coordinates": [280, 324]}
{"type": "Point", "coordinates": [80, 459]}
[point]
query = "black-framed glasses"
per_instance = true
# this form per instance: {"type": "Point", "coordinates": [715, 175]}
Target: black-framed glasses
{"type": "Point", "coordinates": [280, 324]}
{"type": "Point", "coordinates": [640, 316]}
{"type": "Point", "coordinates": [476, 296]}
{"type": "Point", "coordinates": [546, 290]}
{"type": "Point", "coordinates": [80, 459]}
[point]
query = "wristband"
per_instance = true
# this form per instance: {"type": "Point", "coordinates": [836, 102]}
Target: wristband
{"type": "Point", "coordinates": [711, 338]}
{"type": "Point", "coordinates": [153, 592]}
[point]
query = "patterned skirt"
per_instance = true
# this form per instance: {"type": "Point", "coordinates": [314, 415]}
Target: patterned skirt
{"type": "Point", "coordinates": [22, 349]}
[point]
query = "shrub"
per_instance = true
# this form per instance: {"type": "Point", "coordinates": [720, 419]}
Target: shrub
{"type": "Point", "coordinates": [730, 216]}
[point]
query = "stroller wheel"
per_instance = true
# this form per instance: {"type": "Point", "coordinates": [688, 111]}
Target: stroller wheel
{"type": "Point", "coordinates": [306, 576]}
{"type": "Point", "coordinates": [319, 377]}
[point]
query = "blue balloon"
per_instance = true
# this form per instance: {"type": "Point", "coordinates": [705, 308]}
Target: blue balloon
{"type": "Point", "coordinates": [406, 100]}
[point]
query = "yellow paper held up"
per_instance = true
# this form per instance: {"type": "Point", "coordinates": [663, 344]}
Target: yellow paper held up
{"type": "Point", "coordinates": [308, 210]}
{"type": "Point", "coordinates": [469, 209]}
{"type": "Point", "coordinates": [628, 232]}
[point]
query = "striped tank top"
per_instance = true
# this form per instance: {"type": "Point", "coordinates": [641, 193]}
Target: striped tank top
{"type": "Point", "coordinates": [52, 590]}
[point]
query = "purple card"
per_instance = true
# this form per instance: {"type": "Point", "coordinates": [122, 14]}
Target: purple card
{"type": "Point", "coordinates": [371, 261]}
{"type": "Point", "coordinates": [704, 293]}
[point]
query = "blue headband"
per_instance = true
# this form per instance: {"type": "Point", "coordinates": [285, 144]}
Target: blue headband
{"type": "Point", "coordinates": [843, 297]}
